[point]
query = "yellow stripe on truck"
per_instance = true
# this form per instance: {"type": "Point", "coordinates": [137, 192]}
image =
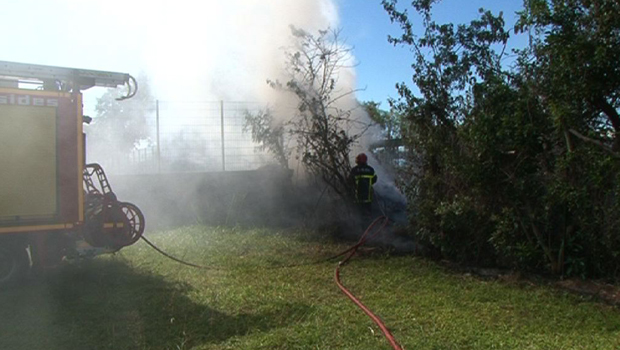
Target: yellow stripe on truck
{"type": "Point", "coordinates": [21, 229]}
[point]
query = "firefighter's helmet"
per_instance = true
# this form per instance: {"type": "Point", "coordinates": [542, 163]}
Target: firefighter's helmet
{"type": "Point", "coordinates": [361, 158]}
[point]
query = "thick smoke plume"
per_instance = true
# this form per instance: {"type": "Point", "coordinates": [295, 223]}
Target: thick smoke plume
{"type": "Point", "coordinates": [211, 50]}
{"type": "Point", "coordinates": [191, 51]}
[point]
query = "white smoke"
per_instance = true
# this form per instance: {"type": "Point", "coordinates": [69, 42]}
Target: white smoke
{"type": "Point", "coordinates": [192, 50]}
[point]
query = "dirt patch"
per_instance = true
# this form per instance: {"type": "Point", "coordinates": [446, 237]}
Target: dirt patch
{"type": "Point", "coordinates": [606, 292]}
{"type": "Point", "coordinates": [602, 291]}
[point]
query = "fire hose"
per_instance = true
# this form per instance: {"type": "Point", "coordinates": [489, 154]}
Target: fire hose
{"type": "Point", "coordinates": [171, 257]}
{"type": "Point", "coordinates": [367, 236]}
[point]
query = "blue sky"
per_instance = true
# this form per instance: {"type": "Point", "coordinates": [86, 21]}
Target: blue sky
{"type": "Point", "coordinates": [365, 26]}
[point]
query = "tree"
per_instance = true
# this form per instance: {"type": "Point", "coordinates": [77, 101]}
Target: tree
{"type": "Point", "coordinates": [449, 62]}
{"type": "Point", "coordinates": [388, 121]}
{"type": "Point", "coordinates": [120, 125]}
{"type": "Point", "coordinates": [268, 135]}
{"type": "Point", "coordinates": [322, 130]}
{"type": "Point", "coordinates": [573, 67]}
{"type": "Point", "coordinates": [574, 57]}
{"type": "Point", "coordinates": [516, 166]}
{"type": "Point", "coordinates": [387, 148]}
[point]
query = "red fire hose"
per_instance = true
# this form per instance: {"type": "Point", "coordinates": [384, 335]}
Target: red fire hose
{"type": "Point", "coordinates": [365, 237]}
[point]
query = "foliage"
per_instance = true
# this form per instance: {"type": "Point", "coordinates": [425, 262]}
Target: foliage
{"type": "Point", "coordinates": [387, 142]}
{"type": "Point", "coordinates": [575, 46]}
{"type": "Point", "coordinates": [322, 129]}
{"type": "Point", "coordinates": [389, 121]}
{"type": "Point", "coordinates": [268, 135]}
{"type": "Point", "coordinates": [120, 125]}
{"type": "Point", "coordinates": [516, 166]}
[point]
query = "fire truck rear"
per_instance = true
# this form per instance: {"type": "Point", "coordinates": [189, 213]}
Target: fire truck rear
{"type": "Point", "coordinates": [54, 206]}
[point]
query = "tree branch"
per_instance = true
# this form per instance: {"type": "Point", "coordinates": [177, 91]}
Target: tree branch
{"type": "Point", "coordinates": [595, 142]}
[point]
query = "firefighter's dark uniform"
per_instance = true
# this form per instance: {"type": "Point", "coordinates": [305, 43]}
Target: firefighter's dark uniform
{"type": "Point", "coordinates": [364, 177]}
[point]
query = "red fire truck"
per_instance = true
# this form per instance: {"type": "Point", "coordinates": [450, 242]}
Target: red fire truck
{"type": "Point", "coordinates": [54, 206]}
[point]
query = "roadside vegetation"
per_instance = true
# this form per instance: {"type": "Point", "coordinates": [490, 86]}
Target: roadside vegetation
{"type": "Point", "coordinates": [514, 154]}
{"type": "Point", "coordinates": [137, 299]}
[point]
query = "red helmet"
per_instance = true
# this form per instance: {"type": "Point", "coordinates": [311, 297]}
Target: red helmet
{"type": "Point", "coordinates": [361, 159]}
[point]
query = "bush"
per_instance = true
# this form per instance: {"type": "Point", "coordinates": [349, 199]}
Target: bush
{"type": "Point", "coordinates": [520, 167]}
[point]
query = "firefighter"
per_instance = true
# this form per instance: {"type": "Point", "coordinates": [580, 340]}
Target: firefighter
{"type": "Point", "coordinates": [363, 177]}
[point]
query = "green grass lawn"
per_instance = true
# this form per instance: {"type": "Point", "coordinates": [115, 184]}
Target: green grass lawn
{"type": "Point", "coordinates": [138, 299]}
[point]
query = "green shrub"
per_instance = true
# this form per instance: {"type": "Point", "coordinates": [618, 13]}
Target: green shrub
{"type": "Point", "coordinates": [517, 167]}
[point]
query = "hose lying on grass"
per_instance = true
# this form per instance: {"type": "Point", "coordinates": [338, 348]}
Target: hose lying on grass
{"type": "Point", "coordinates": [365, 237]}
{"type": "Point", "coordinates": [382, 220]}
{"type": "Point", "coordinates": [160, 251]}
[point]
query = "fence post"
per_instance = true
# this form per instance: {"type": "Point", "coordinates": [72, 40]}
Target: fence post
{"type": "Point", "coordinates": [222, 124]}
{"type": "Point", "coordinates": [158, 147]}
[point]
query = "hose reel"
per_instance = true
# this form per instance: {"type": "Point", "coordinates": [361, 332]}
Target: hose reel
{"type": "Point", "coordinates": [108, 222]}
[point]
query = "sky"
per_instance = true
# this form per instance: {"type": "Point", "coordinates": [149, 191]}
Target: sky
{"type": "Point", "coordinates": [217, 50]}
{"type": "Point", "coordinates": [381, 65]}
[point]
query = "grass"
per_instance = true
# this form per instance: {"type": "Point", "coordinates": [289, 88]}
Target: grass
{"type": "Point", "coordinates": [137, 299]}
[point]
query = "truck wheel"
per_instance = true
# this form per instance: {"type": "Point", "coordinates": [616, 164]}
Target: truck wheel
{"type": "Point", "coordinates": [14, 263]}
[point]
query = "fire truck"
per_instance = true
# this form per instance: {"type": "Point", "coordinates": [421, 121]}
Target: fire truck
{"type": "Point", "coordinates": [53, 205]}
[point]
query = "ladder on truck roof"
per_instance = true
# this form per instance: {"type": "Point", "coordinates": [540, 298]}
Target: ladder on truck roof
{"type": "Point", "coordinates": [67, 78]}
